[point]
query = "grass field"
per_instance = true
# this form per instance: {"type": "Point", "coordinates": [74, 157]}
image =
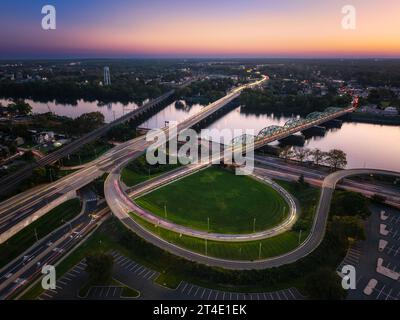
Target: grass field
{"type": "Point", "coordinates": [139, 171]}
{"type": "Point", "coordinates": [17, 244]}
{"type": "Point", "coordinates": [233, 204]}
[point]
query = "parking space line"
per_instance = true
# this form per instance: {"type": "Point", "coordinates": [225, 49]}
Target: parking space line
{"type": "Point", "coordinates": [223, 296]}
{"type": "Point", "coordinates": [216, 295]}
{"type": "Point", "coordinates": [190, 290]}
{"type": "Point", "coordinates": [209, 295]}
{"type": "Point", "coordinates": [108, 290]}
{"type": "Point", "coordinates": [47, 295]}
{"type": "Point", "coordinates": [186, 284]}
{"type": "Point", "coordinates": [147, 273]}
{"type": "Point", "coordinates": [62, 282]}
{"type": "Point", "coordinates": [144, 269]}
{"type": "Point", "coordinates": [389, 294]}
{"type": "Point", "coordinates": [195, 294]}
{"type": "Point", "coordinates": [203, 294]}
{"type": "Point", "coordinates": [380, 292]}
{"type": "Point", "coordinates": [151, 275]}
{"type": "Point", "coordinates": [139, 269]}
{"type": "Point", "coordinates": [133, 266]}
{"type": "Point", "coordinates": [115, 289]}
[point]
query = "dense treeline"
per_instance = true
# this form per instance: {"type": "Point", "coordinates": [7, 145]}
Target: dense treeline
{"type": "Point", "coordinates": [265, 102]}
{"type": "Point", "coordinates": [70, 92]}
{"type": "Point", "coordinates": [206, 91]}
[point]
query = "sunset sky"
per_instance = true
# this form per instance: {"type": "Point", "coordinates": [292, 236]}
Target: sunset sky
{"type": "Point", "coordinates": [204, 28]}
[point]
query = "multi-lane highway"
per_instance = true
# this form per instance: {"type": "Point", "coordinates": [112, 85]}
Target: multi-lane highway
{"type": "Point", "coordinates": [25, 268]}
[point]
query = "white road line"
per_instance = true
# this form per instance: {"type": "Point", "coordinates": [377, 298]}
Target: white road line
{"type": "Point", "coordinates": [108, 290]}
{"type": "Point", "coordinates": [209, 295]}
{"type": "Point", "coordinates": [151, 275]}
{"type": "Point", "coordinates": [203, 294]}
{"type": "Point", "coordinates": [195, 294]}
{"type": "Point", "coordinates": [216, 295]}
{"type": "Point", "coordinates": [115, 289]}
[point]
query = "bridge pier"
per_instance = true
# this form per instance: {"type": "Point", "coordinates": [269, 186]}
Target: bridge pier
{"type": "Point", "coordinates": [294, 140]}
{"type": "Point", "coordinates": [334, 123]}
{"type": "Point", "coordinates": [314, 131]}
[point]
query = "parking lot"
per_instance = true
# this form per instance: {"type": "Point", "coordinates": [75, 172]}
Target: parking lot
{"type": "Point", "coordinates": [200, 293]}
{"type": "Point", "coordinates": [68, 285]}
{"type": "Point", "coordinates": [378, 268]}
{"type": "Point", "coordinates": [142, 279]}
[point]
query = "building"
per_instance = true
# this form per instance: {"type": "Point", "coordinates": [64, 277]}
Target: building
{"type": "Point", "coordinates": [391, 111]}
{"type": "Point", "coordinates": [43, 137]}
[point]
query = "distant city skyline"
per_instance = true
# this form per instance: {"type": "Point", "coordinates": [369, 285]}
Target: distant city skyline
{"type": "Point", "coordinates": [201, 29]}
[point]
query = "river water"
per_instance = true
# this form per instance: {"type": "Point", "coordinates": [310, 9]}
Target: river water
{"type": "Point", "coordinates": [366, 145]}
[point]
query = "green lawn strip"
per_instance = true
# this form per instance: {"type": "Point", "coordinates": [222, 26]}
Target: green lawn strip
{"type": "Point", "coordinates": [20, 242]}
{"type": "Point", "coordinates": [270, 247]}
{"type": "Point", "coordinates": [168, 280]}
{"type": "Point", "coordinates": [230, 202]}
{"type": "Point", "coordinates": [139, 171]}
{"type": "Point", "coordinates": [87, 153]}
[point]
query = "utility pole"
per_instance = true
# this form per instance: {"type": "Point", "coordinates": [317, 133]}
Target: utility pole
{"type": "Point", "coordinates": [259, 251]}
{"type": "Point", "coordinates": [300, 236]}
{"type": "Point", "coordinates": [254, 225]}
{"type": "Point", "coordinates": [208, 224]}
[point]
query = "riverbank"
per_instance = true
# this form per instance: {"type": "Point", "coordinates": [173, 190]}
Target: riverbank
{"type": "Point", "coordinates": [372, 119]}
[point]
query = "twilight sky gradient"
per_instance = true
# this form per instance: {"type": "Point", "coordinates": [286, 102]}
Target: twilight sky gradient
{"type": "Point", "coordinates": [201, 28]}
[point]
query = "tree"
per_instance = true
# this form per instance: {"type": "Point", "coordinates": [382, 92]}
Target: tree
{"type": "Point", "coordinates": [301, 154]}
{"type": "Point", "coordinates": [336, 159]}
{"type": "Point", "coordinates": [99, 266]}
{"type": "Point", "coordinates": [347, 203]}
{"type": "Point", "coordinates": [317, 156]}
{"type": "Point", "coordinates": [348, 227]}
{"type": "Point", "coordinates": [20, 107]}
{"type": "Point", "coordinates": [324, 284]}
{"type": "Point", "coordinates": [88, 122]}
{"type": "Point", "coordinates": [286, 153]}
